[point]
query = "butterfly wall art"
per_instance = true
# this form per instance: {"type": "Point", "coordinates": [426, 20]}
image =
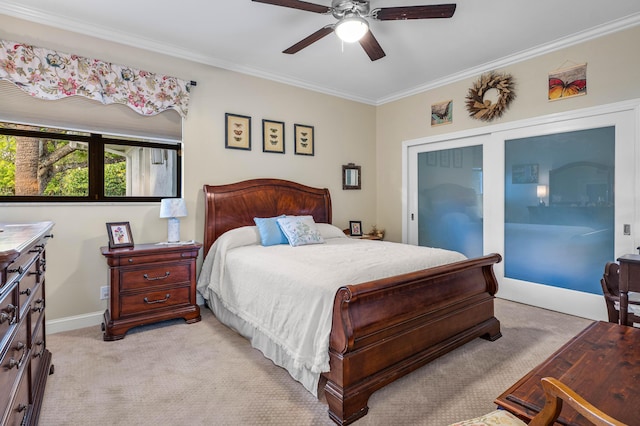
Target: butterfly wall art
{"type": "Point", "coordinates": [304, 139]}
{"type": "Point", "coordinates": [442, 113]}
{"type": "Point", "coordinates": [237, 131]}
{"type": "Point", "coordinates": [273, 136]}
{"type": "Point", "coordinates": [568, 82]}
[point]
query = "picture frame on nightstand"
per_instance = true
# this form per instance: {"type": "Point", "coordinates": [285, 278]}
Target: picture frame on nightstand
{"type": "Point", "coordinates": [355, 228]}
{"type": "Point", "coordinates": [119, 234]}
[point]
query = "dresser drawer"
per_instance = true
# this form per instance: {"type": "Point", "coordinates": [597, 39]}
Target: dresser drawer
{"type": "Point", "coordinates": [13, 362]}
{"type": "Point", "coordinates": [19, 409]}
{"type": "Point", "coordinates": [36, 306]}
{"type": "Point", "coordinates": [154, 275]}
{"type": "Point", "coordinates": [8, 313]}
{"type": "Point", "coordinates": [155, 257]}
{"type": "Point", "coordinates": [27, 284]}
{"type": "Point", "coordinates": [154, 300]}
{"type": "Point", "coordinates": [37, 352]}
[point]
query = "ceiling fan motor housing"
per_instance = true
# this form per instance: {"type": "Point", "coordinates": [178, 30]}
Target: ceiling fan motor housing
{"type": "Point", "coordinates": [339, 8]}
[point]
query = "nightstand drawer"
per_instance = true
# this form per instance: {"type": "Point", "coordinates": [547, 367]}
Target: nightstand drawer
{"type": "Point", "coordinates": [134, 279]}
{"type": "Point", "coordinates": [149, 301]}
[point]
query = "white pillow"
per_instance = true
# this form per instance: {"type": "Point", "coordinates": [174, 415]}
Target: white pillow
{"type": "Point", "coordinates": [300, 230]}
{"type": "Point", "coordinates": [330, 231]}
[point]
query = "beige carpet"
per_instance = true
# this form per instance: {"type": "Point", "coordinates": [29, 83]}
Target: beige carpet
{"type": "Point", "coordinates": [205, 374]}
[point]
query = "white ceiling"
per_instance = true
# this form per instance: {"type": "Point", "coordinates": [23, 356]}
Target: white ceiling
{"type": "Point", "coordinates": [248, 37]}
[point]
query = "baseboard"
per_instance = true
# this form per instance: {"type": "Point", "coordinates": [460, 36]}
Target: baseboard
{"type": "Point", "coordinates": [88, 320]}
{"type": "Point", "coordinates": [73, 323]}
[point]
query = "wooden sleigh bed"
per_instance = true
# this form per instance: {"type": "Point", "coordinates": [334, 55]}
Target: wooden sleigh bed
{"type": "Point", "coordinates": [382, 329]}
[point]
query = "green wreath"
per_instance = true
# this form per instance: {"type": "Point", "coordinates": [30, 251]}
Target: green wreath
{"type": "Point", "coordinates": [485, 110]}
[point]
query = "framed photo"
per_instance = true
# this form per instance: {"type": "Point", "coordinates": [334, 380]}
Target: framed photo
{"type": "Point", "coordinates": [237, 131]}
{"type": "Point", "coordinates": [119, 234]}
{"type": "Point", "coordinates": [304, 139]}
{"type": "Point", "coordinates": [445, 161]}
{"type": "Point", "coordinates": [355, 228]}
{"type": "Point", "coordinates": [457, 157]}
{"type": "Point", "coordinates": [432, 159]}
{"type": "Point", "coordinates": [524, 173]}
{"type": "Point", "coordinates": [273, 136]}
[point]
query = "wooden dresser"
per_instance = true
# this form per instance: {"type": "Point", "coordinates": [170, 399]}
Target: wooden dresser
{"type": "Point", "coordinates": [150, 283]}
{"type": "Point", "coordinates": [25, 361]}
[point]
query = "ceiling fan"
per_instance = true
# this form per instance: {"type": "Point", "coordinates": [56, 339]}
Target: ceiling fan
{"type": "Point", "coordinates": [352, 25]}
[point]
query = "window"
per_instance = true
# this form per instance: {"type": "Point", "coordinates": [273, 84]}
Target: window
{"type": "Point", "coordinates": [47, 164]}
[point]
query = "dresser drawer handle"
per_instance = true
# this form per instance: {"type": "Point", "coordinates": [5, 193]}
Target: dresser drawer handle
{"type": "Point", "coordinates": [26, 291]}
{"type": "Point", "coordinates": [19, 270]}
{"type": "Point", "coordinates": [17, 364]}
{"type": "Point", "coordinates": [166, 275]}
{"type": "Point", "coordinates": [146, 300]}
{"type": "Point", "coordinates": [5, 315]}
{"type": "Point", "coordinates": [39, 354]}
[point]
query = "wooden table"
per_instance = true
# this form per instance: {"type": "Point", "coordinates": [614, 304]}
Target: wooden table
{"type": "Point", "coordinates": [602, 364]}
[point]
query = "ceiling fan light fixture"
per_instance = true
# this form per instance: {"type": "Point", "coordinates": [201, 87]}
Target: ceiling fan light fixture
{"type": "Point", "coordinates": [351, 28]}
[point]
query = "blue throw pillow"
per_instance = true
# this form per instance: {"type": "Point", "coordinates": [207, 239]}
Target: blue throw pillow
{"type": "Point", "coordinates": [270, 232]}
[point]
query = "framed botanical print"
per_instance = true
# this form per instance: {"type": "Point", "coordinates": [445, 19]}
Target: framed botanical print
{"type": "Point", "coordinates": [119, 234]}
{"type": "Point", "coordinates": [304, 139]}
{"type": "Point", "coordinates": [273, 136]}
{"type": "Point", "coordinates": [237, 131]}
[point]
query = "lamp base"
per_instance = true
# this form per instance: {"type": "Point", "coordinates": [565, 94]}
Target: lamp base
{"type": "Point", "coordinates": [173, 230]}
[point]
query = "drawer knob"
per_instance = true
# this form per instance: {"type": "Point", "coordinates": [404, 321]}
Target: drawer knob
{"type": "Point", "coordinates": [26, 291]}
{"type": "Point", "coordinates": [151, 302]}
{"type": "Point", "coordinates": [166, 275]}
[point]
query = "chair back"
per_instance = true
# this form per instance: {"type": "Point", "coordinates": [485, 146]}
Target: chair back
{"type": "Point", "coordinates": [629, 282]}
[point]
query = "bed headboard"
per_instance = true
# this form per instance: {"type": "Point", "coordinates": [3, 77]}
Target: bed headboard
{"type": "Point", "coordinates": [236, 204]}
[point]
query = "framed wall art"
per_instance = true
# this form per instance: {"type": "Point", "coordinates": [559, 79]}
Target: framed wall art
{"type": "Point", "coordinates": [237, 131]}
{"type": "Point", "coordinates": [273, 136]}
{"type": "Point", "coordinates": [304, 144]}
{"type": "Point", "coordinates": [442, 113]}
{"type": "Point", "coordinates": [524, 173]}
{"type": "Point", "coordinates": [119, 234]}
{"type": "Point", "coordinates": [568, 82]}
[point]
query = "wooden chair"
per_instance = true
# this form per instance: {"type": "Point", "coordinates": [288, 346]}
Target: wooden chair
{"type": "Point", "coordinates": [556, 393]}
{"type": "Point", "coordinates": [610, 283]}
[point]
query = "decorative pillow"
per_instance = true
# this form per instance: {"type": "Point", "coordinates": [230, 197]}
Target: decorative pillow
{"type": "Point", "coordinates": [330, 231]}
{"type": "Point", "coordinates": [270, 232]}
{"type": "Point", "coordinates": [300, 230]}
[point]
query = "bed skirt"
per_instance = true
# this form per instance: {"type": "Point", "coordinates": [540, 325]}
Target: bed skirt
{"type": "Point", "coordinates": [261, 342]}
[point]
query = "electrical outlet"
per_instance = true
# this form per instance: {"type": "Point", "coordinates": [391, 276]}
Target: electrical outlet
{"type": "Point", "coordinates": [104, 292]}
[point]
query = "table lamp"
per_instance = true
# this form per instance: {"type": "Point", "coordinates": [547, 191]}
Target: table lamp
{"type": "Point", "coordinates": [172, 209]}
{"type": "Point", "coordinates": [541, 192]}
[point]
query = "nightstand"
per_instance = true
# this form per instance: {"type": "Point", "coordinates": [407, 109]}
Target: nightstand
{"type": "Point", "coordinates": [150, 283]}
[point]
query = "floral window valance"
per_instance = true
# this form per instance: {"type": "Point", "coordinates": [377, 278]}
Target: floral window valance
{"type": "Point", "coordinates": [47, 74]}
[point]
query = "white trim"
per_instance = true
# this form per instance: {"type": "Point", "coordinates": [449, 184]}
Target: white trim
{"type": "Point", "coordinates": [74, 322]}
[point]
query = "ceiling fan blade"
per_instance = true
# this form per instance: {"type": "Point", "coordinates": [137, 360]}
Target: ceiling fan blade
{"type": "Point", "coordinates": [372, 47]}
{"type": "Point", "coordinates": [322, 32]}
{"type": "Point", "coordinates": [414, 12]}
{"type": "Point", "coordinates": [296, 4]}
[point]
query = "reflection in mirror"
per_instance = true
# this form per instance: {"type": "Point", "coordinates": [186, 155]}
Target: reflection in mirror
{"type": "Point", "coordinates": [351, 176]}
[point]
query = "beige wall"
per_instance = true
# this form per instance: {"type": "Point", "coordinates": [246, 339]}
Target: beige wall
{"type": "Point", "coordinates": [612, 73]}
{"type": "Point", "coordinates": [344, 132]}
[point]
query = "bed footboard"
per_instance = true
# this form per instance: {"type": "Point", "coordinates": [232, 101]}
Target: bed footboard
{"type": "Point", "coordinates": [387, 328]}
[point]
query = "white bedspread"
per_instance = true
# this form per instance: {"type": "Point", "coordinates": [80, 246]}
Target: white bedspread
{"type": "Point", "coordinates": [287, 293]}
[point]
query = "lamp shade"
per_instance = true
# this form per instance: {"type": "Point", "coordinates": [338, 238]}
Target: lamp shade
{"type": "Point", "coordinates": [351, 28]}
{"type": "Point", "coordinates": [541, 191]}
{"type": "Point", "coordinates": [173, 207]}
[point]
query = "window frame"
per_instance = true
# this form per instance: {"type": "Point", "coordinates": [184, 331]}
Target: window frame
{"type": "Point", "coordinates": [96, 143]}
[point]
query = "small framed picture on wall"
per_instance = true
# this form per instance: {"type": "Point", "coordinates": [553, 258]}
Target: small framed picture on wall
{"type": "Point", "coordinates": [304, 139]}
{"type": "Point", "coordinates": [237, 131]}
